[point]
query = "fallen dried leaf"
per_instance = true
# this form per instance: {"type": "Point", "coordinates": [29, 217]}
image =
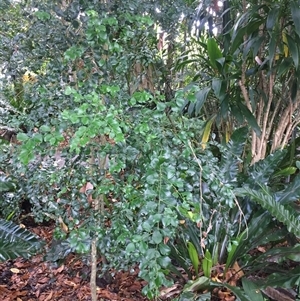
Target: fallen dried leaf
{"type": "Point", "coordinates": [15, 270]}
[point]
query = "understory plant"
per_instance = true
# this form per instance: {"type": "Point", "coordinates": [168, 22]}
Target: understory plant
{"type": "Point", "coordinates": [262, 214]}
{"type": "Point", "coordinates": [124, 174]}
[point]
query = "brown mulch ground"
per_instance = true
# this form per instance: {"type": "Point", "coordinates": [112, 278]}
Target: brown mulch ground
{"type": "Point", "coordinates": [38, 280]}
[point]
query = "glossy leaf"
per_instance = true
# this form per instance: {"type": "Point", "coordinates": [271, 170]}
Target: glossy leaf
{"type": "Point", "coordinates": [293, 49]}
{"type": "Point", "coordinates": [201, 97]}
{"type": "Point", "coordinates": [250, 118]}
{"type": "Point", "coordinates": [214, 52]}
{"type": "Point", "coordinates": [272, 18]}
{"type": "Point", "coordinates": [284, 66]}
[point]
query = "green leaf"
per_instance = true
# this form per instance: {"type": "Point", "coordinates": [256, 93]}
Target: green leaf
{"type": "Point", "coordinates": [69, 90]}
{"type": "Point", "coordinates": [252, 290]}
{"type": "Point", "coordinates": [280, 255]}
{"type": "Point", "coordinates": [284, 66]}
{"type": "Point", "coordinates": [250, 118]}
{"type": "Point", "coordinates": [237, 38]}
{"type": "Point", "coordinates": [22, 137]}
{"type": "Point", "coordinates": [266, 199]}
{"type": "Point", "coordinates": [130, 247]}
{"type": "Point", "coordinates": [164, 249]}
{"type": "Point", "coordinates": [42, 15]}
{"type": "Point", "coordinates": [146, 226]}
{"type": "Point", "coordinates": [17, 242]}
{"type": "Point", "coordinates": [237, 113]}
{"type": "Point", "coordinates": [37, 137]}
{"type": "Point", "coordinates": [295, 10]}
{"type": "Point", "coordinates": [45, 128]}
{"type": "Point", "coordinates": [214, 52]}
{"type": "Point", "coordinates": [193, 256]}
{"type": "Point", "coordinates": [201, 97]}
{"type": "Point", "coordinates": [6, 184]}
{"type": "Point", "coordinates": [293, 49]}
{"type": "Point", "coordinates": [288, 280]}
{"type": "Point", "coordinates": [216, 86]}
{"type": "Point", "coordinates": [286, 171]}
{"type": "Point", "coordinates": [199, 284]}
{"type": "Point", "coordinates": [207, 264]}
{"type": "Point", "coordinates": [224, 110]}
{"type": "Point", "coordinates": [157, 237]}
{"type": "Point", "coordinates": [291, 193]}
{"type": "Point", "coordinates": [164, 261]}
{"type": "Point", "coordinates": [231, 253]}
{"type": "Point", "coordinates": [191, 109]}
{"type": "Point", "coordinates": [272, 18]}
{"type": "Point", "coordinates": [219, 88]}
{"type": "Point", "coordinates": [230, 159]}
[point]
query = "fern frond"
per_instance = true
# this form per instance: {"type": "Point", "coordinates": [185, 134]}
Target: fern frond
{"type": "Point", "coordinates": [17, 242]}
{"type": "Point", "coordinates": [266, 199]}
{"type": "Point", "coordinates": [232, 154]}
{"type": "Point", "coordinates": [262, 171]}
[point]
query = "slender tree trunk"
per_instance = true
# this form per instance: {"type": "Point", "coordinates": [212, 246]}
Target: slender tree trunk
{"type": "Point", "coordinates": [99, 210]}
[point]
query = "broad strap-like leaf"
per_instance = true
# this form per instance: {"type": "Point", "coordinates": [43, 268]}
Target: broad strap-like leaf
{"type": "Point", "coordinates": [252, 290]}
{"type": "Point", "coordinates": [201, 97]}
{"type": "Point", "coordinates": [250, 118]}
{"type": "Point", "coordinates": [293, 49]}
{"type": "Point", "coordinates": [193, 256]}
{"type": "Point", "coordinates": [272, 18]}
{"type": "Point", "coordinates": [260, 230]}
{"type": "Point", "coordinates": [207, 264]}
{"type": "Point", "coordinates": [214, 52]}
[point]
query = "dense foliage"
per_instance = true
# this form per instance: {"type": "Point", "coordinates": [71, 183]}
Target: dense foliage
{"type": "Point", "coordinates": [158, 148]}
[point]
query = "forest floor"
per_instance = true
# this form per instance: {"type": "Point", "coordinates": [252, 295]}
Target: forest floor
{"type": "Point", "coordinates": [38, 280]}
